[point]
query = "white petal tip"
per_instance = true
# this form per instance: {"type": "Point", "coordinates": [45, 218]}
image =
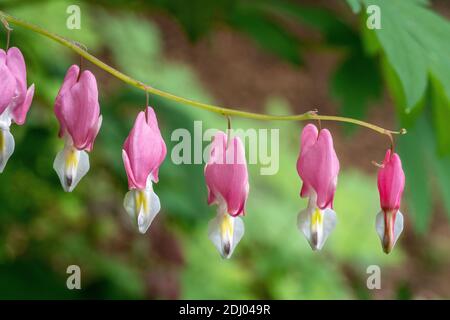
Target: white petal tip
{"type": "Point", "coordinates": [71, 165]}
{"type": "Point", "coordinates": [225, 232]}
{"type": "Point", "coordinates": [316, 225]}
{"type": "Point", "coordinates": [142, 206]}
{"type": "Point", "coordinates": [144, 222]}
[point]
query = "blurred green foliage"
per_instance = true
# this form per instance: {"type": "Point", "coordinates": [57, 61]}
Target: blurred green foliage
{"type": "Point", "coordinates": [43, 229]}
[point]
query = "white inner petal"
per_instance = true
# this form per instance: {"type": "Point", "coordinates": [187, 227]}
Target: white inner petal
{"type": "Point", "coordinates": [142, 205]}
{"type": "Point", "coordinates": [5, 119]}
{"type": "Point", "coordinates": [71, 165]}
{"type": "Point", "coordinates": [6, 147]}
{"type": "Point", "coordinates": [316, 225]}
{"type": "Point", "coordinates": [225, 232]}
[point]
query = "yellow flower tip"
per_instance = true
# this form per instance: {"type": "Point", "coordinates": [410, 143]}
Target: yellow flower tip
{"type": "Point", "coordinates": [317, 218]}
{"type": "Point", "coordinates": [141, 201]}
{"type": "Point", "coordinates": [72, 159]}
{"type": "Point", "coordinates": [226, 227]}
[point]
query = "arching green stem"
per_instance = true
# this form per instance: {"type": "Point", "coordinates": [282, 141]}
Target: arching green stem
{"type": "Point", "coordinates": [212, 108]}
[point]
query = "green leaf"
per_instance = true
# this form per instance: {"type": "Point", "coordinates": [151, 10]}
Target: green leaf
{"type": "Point", "coordinates": [415, 42]}
{"type": "Point", "coordinates": [441, 114]}
{"type": "Point", "coordinates": [369, 39]}
{"type": "Point", "coordinates": [398, 95]}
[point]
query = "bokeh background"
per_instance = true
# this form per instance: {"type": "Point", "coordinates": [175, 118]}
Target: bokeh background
{"type": "Point", "coordinates": [275, 56]}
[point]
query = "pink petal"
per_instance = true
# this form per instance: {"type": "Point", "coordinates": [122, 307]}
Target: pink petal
{"type": "Point", "coordinates": [138, 151]}
{"type": "Point", "coordinates": [80, 110]}
{"type": "Point", "coordinates": [391, 182]}
{"type": "Point", "coordinates": [69, 81]}
{"type": "Point", "coordinates": [308, 138]}
{"type": "Point", "coordinates": [150, 117]}
{"type": "Point", "coordinates": [153, 124]}
{"type": "Point", "coordinates": [20, 113]}
{"type": "Point", "coordinates": [2, 57]}
{"type": "Point", "coordinates": [226, 174]}
{"type": "Point", "coordinates": [145, 149]}
{"type": "Point", "coordinates": [16, 65]}
{"type": "Point", "coordinates": [7, 85]}
{"type": "Point", "coordinates": [318, 167]}
{"type": "Point", "coordinates": [126, 161]}
{"type": "Point", "coordinates": [93, 134]}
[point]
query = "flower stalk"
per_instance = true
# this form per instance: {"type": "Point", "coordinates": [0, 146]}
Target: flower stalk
{"type": "Point", "coordinates": [208, 107]}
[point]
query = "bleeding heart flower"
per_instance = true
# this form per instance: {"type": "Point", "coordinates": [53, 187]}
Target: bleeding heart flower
{"type": "Point", "coordinates": [318, 167]}
{"type": "Point", "coordinates": [227, 182]}
{"type": "Point", "coordinates": [143, 152]}
{"type": "Point", "coordinates": [391, 182]}
{"type": "Point", "coordinates": [78, 112]}
{"type": "Point", "coordinates": [15, 99]}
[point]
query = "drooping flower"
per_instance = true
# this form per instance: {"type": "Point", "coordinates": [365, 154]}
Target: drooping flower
{"type": "Point", "coordinates": [15, 99]}
{"type": "Point", "coordinates": [391, 182]}
{"type": "Point", "coordinates": [227, 183]}
{"type": "Point", "coordinates": [318, 167]}
{"type": "Point", "coordinates": [143, 152]}
{"type": "Point", "coordinates": [78, 112]}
